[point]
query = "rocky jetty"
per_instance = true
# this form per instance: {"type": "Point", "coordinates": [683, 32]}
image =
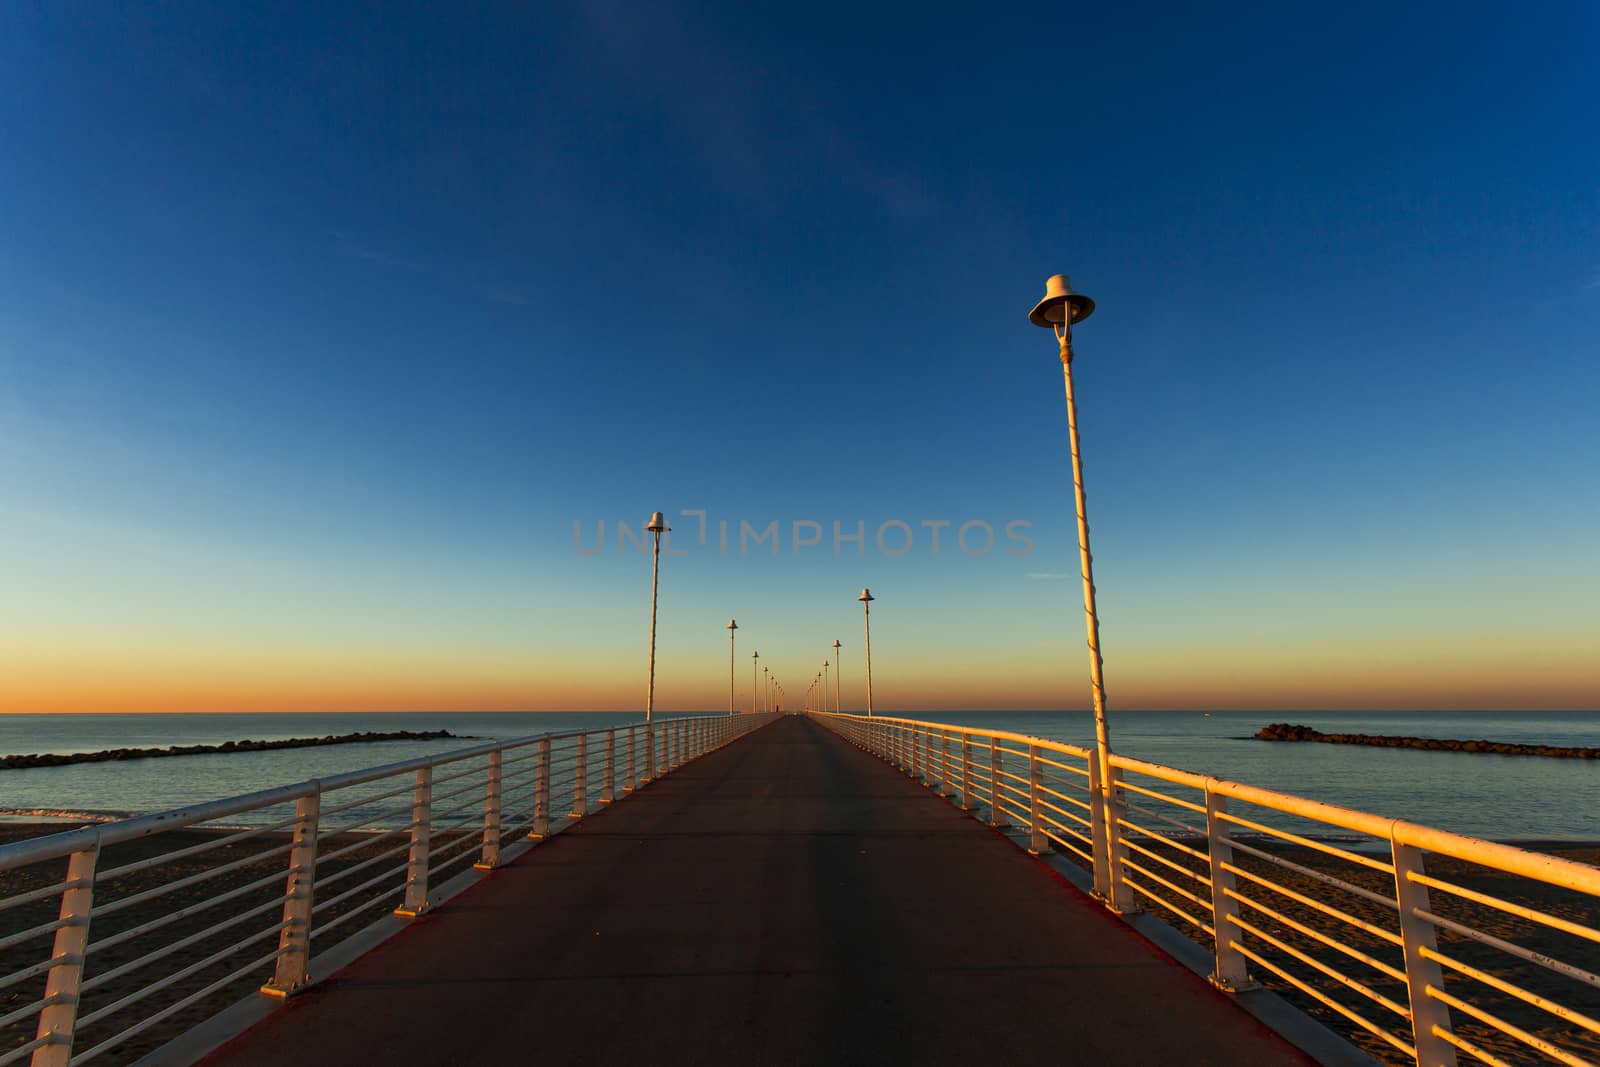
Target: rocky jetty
{"type": "Point", "coordinates": [1285, 731]}
{"type": "Point", "coordinates": [112, 755]}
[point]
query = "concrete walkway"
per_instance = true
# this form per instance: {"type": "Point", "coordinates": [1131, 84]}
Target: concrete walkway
{"type": "Point", "coordinates": [787, 900]}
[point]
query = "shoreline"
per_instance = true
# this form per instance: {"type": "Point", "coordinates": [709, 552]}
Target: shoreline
{"type": "Point", "coordinates": [1293, 732]}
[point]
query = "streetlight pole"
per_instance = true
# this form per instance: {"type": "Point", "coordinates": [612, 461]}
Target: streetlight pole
{"type": "Point", "coordinates": [866, 599]}
{"type": "Point", "coordinates": [824, 685]}
{"type": "Point", "coordinates": [838, 670]}
{"type": "Point", "coordinates": [1060, 308]}
{"type": "Point", "coordinates": [755, 682]}
{"type": "Point", "coordinates": [732, 626]}
{"type": "Point", "coordinates": [657, 526]}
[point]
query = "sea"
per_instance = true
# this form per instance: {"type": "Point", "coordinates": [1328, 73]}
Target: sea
{"type": "Point", "coordinates": [1520, 798]}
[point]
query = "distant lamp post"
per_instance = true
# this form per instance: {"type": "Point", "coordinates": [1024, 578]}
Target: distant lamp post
{"type": "Point", "coordinates": [657, 526]}
{"type": "Point", "coordinates": [866, 599]}
{"type": "Point", "coordinates": [732, 626]}
{"type": "Point", "coordinates": [755, 682]}
{"type": "Point", "coordinates": [766, 688]}
{"type": "Point", "coordinates": [1059, 310]}
{"type": "Point", "coordinates": [838, 670]}
{"type": "Point", "coordinates": [824, 685]}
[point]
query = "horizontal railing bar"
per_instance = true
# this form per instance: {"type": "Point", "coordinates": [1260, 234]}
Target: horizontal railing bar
{"type": "Point", "coordinates": [1075, 850]}
{"type": "Point", "coordinates": [36, 931]}
{"type": "Point", "coordinates": [1316, 994]}
{"type": "Point", "coordinates": [334, 924]}
{"type": "Point", "coordinates": [1165, 903]}
{"type": "Point", "coordinates": [166, 950]}
{"type": "Point", "coordinates": [1316, 935]}
{"type": "Point", "coordinates": [123, 903]}
{"type": "Point", "coordinates": [1555, 922]}
{"type": "Point", "coordinates": [1307, 842]}
{"type": "Point", "coordinates": [1560, 1011]}
{"type": "Point", "coordinates": [1165, 798]}
{"type": "Point", "coordinates": [35, 970]}
{"type": "Point", "coordinates": [356, 868]}
{"type": "Point", "coordinates": [1560, 1055]}
{"type": "Point", "coordinates": [1159, 880]}
{"type": "Point", "coordinates": [1192, 831]}
{"type": "Point", "coordinates": [1316, 875]}
{"type": "Point", "coordinates": [1326, 909]}
{"type": "Point", "coordinates": [1178, 867]}
{"type": "Point", "coordinates": [174, 916]}
{"type": "Point", "coordinates": [177, 976]}
{"type": "Point", "coordinates": [140, 1027]}
{"type": "Point", "coordinates": [1337, 975]}
{"type": "Point", "coordinates": [390, 872]}
{"type": "Point", "coordinates": [17, 1054]}
{"type": "Point", "coordinates": [42, 893]}
{"type": "Point", "coordinates": [1479, 1053]}
{"type": "Point", "coordinates": [1577, 974]}
{"type": "Point", "coordinates": [1156, 835]}
{"type": "Point", "coordinates": [192, 850]}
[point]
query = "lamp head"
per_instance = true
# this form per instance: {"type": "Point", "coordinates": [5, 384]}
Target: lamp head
{"type": "Point", "coordinates": [732, 624]}
{"type": "Point", "coordinates": [755, 655]}
{"type": "Point", "coordinates": [866, 596]}
{"type": "Point", "coordinates": [1060, 302]}
{"type": "Point", "coordinates": [836, 646]}
{"type": "Point", "coordinates": [658, 523]}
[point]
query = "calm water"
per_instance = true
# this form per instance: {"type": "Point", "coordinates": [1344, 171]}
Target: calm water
{"type": "Point", "coordinates": [1489, 796]}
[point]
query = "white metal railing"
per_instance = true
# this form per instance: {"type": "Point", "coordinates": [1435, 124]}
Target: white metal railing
{"type": "Point", "coordinates": [236, 892]}
{"type": "Point", "coordinates": [1419, 945]}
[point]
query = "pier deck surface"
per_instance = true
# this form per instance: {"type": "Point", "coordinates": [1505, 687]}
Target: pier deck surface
{"type": "Point", "coordinates": [788, 899]}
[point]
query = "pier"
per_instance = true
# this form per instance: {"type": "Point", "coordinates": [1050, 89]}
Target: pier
{"type": "Point", "coordinates": [816, 888]}
{"type": "Point", "coordinates": [788, 899]}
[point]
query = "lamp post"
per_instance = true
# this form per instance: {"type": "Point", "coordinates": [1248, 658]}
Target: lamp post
{"type": "Point", "coordinates": [1060, 308]}
{"type": "Point", "coordinates": [824, 685]}
{"type": "Point", "coordinates": [657, 526]}
{"type": "Point", "coordinates": [838, 669]}
{"type": "Point", "coordinates": [732, 626]}
{"type": "Point", "coordinates": [866, 599]}
{"type": "Point", "coordinates": [766, 688]}
{"type": "Point", "coordinates": [755, 682]}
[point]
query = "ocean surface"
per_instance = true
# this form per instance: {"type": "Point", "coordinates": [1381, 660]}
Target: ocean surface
{"type": "Point", "coordinates": [1499, 797]}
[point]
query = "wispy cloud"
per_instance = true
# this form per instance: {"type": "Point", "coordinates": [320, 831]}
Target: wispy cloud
{"type": "Point", "coordinates": [471, 277]}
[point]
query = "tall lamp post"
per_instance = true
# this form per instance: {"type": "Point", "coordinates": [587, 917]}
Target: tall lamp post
{"type": "Point", "coordinates": [824, 685]}
{"type": "Point", "coordinates": [766, 688]}
{"type": "Point", "coordinates": [732, 626]}
{"type": "Point", "coordinates": [1059, 310]}
{"type": "Point", "coordinates": [838, 669]}
{"type": "Point", "coordinates": [755, 681]}
{"type": "Point", "coordinates": [866, 599]}
{"type": "Point", "coordinates": [657, 526]}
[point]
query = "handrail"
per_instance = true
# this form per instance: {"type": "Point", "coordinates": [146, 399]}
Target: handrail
{"type": "Point", "coordinates": [271, 874]}
{"type": "Point", "coordinates": [1388, 923]}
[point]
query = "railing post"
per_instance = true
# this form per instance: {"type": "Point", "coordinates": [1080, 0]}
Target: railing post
{"type": "Point", "coordinates": [997, 803]}
{"type": "Point", "coordinates": [1100, 843]}
{"type": "Point", "coordinates": [1232, 972]}
{"type": "Point", "coordinates": [491, 813]}
{"type": "Point", "coordinates": [649, 752]}
{"type": "Point", "coordinates": [966, 772]}
{"type": "Point", "coordinates": [541, 793]}
{"type": "Point", "coordinates": [416, 898]}
{"type": "Point", "coordinates": [58, 1021]}
{"type": "Point", "coordinates": [608, 783]}
{"type": "Point", "coordinates": [944, 764]}
{"type": "Point", "coordinates": [1121, 898]}
{"type": "Point", "coordinates": [1416, 935]}
{"type": "Point", "coordinates": [629, 777]}
{"type": "Point", "coordinates": [916, 752]}
{"type": "Point", "coordinates": [1038, 844]}
{"type": "Point", "coordinates": [294, 940]}
{"type": "Point", "coordinates": [580, 779]}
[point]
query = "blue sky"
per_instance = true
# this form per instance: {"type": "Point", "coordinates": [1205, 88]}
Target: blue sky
{"type": "Point", "coordinates": [320, 328]}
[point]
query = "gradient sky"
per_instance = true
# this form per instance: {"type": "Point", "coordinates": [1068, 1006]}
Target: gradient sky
{"type": "Point", "coordinates": [321, 326]}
